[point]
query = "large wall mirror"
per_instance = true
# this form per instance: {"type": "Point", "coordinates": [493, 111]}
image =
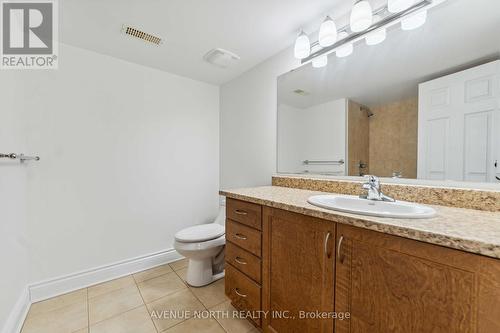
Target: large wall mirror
{"type": "Point", "coordinates": [424, 104]}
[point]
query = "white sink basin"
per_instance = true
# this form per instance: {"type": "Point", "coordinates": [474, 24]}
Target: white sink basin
{"type": "Point", "coordinates": [356, 205]}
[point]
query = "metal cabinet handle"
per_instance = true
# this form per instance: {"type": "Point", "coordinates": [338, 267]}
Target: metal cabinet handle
{"type": "Point", "coordinates": [240, 261]}
{"type": "Point", "coordinates": [240, 212]}
{"type": "Point", "coordinates": [239, 294]}
{"type": "Point", "coordinates": [341, 258]}
{"type": "Point", "coordinates": [240, 236]}
{"type": "Point", "coordinates": [327, 238]}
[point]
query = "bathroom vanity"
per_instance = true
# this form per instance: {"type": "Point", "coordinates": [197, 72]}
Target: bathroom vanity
{"type": "Point", "coordinates": [315, 270]}
{"type": "Point", "coordinates": [421, 110]}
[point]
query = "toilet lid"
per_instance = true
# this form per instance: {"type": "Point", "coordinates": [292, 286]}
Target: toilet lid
{"type": "Point", "coordinates": [200, 233]}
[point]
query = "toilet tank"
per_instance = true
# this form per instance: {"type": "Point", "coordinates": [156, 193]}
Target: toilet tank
{"type": "Point", "coordinates": [221, 218]}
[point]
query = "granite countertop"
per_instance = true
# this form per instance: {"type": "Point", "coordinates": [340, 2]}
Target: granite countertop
{"type": "Point", "coordinates": [464, 229]}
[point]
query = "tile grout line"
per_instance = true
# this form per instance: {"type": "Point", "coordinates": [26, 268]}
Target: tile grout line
{"type": "Point", "coordinates": [206, 308]}
{"type": "Point", "coordinates": [87, 299]}
{"type": "Point", "coordinates": [115, 315]}
{"type": "Point", "coordinates": [199, 300]}
{"type": "Point", "coordinates": [145, 305]}
{"type": "Point", "coordinates": [187, 287]}
{"type": "Point", "coordinates": [59, 307]}
{"type": "Point", "coordinates": [88, 311]}
{"type": "Point", "coordinates": [136, 284]}
{"type": "Point", "coordinates": [190, 290]}
{"type": "Point", "coordinates": [152, 278]}
{"type": "Point", "coordinates": [111, 291]}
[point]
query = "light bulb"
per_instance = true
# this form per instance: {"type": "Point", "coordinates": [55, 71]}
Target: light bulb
{"type": "Point", "coordinates": [346, 49]}
{"type": "Point", "coordinates": [396, 6]}
{"type": "Point", "coordinates": [361, 16]}
{"type": "Point", "coordinates": [320, 61]}
{"type": "Point", "coordinates": [302, 46]}
{"type": "Point", "coordinates": [327, 32]}
{"type": "Point", "coordinates": [377, 36]}
{"type": "Point", "coordinates": [414, 21]}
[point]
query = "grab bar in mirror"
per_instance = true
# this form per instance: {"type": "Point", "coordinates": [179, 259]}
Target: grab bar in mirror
{"type": "Point", "coordinates": [21, 157]}
{"type": "Point", "coordinates": [325, 162]}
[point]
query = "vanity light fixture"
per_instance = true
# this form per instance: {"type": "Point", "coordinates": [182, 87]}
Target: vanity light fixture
{"type": "Point", "coordinates": [302, 47]}
{"type": "Point", "coordinates": [327, 32]}
{"type": "Point", "coordinates": [320, 61]}
{"type": "Point", "coordinates": [346, 49]}
{"type": "Point", "coordinates": [396, 6]}
{"type": "Point", "coordinates": [365, 24]}
{"type": "Point", "coordinates": [377, 36]}
{"type": "Point", "coordinates": [361, 16]}
{"type": "Point", "coordinates": [415, 21]}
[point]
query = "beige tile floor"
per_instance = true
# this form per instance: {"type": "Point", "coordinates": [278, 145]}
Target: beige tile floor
{"type": "Point", "coordinates": [134, 304]}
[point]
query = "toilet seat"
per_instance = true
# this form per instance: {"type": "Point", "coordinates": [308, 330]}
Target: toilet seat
{"type": "Point", "coordinates": [200, 233]}
{"type": "Point", "coordinates": [200, 246]}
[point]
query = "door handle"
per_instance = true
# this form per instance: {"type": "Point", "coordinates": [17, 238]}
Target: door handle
{"type": "Point", "coordinates": [239, 294]}
{"type": "Point", "coordinates": [341, 257]}
{"type": "Point", "coordinates": [327, 239]}
{"type": "Point", "coordinates": [240, 236]}
{"type": "Point", "coordinates": [240, 212]}
{"type": "Point", "coordinates": [239, 261]}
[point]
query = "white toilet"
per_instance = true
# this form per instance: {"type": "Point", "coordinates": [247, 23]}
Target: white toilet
{"type": "Point", "coordinates": [203, 245]}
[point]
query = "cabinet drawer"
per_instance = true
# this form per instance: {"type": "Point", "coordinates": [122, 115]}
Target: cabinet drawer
{"type": "Point", "coordinates": [244, 261]}
{"type": "Point", "coordinates": [245, 237]}
{"type": "Point", "coordinates": [243, 292]}
{"type": "Point", "coordinates": [244, 212]}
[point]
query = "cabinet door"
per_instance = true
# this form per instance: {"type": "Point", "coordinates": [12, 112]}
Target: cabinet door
{"type": "Point", "coordinates": [298, 272]}
{"type": "Point", "coordinates": [393, 284]}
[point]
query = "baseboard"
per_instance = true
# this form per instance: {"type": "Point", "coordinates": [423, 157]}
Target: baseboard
{"type": "Point", "coordinates": [64, 284]}
{"type": "Point", "coordinates": [18, 314]}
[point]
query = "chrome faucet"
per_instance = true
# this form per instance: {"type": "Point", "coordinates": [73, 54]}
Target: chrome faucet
{"type": "Point", "coordinates": [374, 190]}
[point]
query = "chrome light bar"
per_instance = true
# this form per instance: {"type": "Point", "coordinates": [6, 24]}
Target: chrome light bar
{"type": "Point", "coordinates": [384, 22]}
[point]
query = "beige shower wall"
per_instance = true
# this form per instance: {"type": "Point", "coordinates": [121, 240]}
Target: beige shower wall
{"type": "Point", "coordinates": [358, 138]}
{"type": "Point", "coordinates": [393, 139]}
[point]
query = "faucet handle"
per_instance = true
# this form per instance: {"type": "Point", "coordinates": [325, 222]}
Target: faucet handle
{"type": "Point", "coordinates": [367, 186]}
{"type": "Point", "coordinates": [372, 180]}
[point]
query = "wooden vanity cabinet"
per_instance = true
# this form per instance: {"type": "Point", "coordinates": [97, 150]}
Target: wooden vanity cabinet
{"type": "Point", "coordinates": [298, 271]}
{"type": "Point", "coordinates": [291, 265]}
{"type": "Point", "coordinates": [393, 284]}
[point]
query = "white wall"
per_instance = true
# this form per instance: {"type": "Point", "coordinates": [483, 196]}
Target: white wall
{"type": "Point", "coordinates": [129, 155]}
{"type": "Point", "coordinates": [314, 133]}
{"type": "Point", "coordinates": [13, 232]}
{"type": "Point", "coordinates": [248, 123]}
{"type": "Point", "coordinates": [289, 145]}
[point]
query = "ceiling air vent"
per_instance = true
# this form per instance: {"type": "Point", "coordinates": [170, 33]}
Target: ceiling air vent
{"type": "Point", "coordinates": [221, 58]}
{"type": "Point", "coordinates": [128, 30]}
